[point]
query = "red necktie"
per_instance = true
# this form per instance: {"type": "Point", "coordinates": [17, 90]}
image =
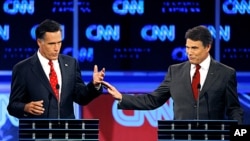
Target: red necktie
{"type": "Point", "coordinates": [53, 80]}
{"type": "Point", "coordinates": [196, 82]}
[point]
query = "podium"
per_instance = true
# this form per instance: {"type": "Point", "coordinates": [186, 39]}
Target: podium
{"type": "Point", "coordinates": [181, 130]}
{"type": "Point", "coordinates": [58, 130]}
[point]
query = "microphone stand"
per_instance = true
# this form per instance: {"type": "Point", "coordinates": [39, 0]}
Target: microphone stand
{"type": "Point", "coordinates": [198, 104]}
{"type": "Point", "coordinates": [208, 111]}
{"type": "Point", "coordinates": [50, 96]}
{"type": "Point", "coordinates": [58, 104]}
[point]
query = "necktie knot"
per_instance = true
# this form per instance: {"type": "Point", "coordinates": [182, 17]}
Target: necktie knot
{"type": "Point", "coordinates": [197, 67]}
{"type": "Point", "coordinates": [50, 63]}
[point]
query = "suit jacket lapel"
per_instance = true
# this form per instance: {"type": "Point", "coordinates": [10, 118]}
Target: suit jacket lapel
{"type": "Point", "coordinates": [210, 77]}
{"type": "Point", "coordinates": [187, 78]}
{"type": "Point", "coordinates": [64, 71]}
{"type": "Point", "coordinates": [39, 73]}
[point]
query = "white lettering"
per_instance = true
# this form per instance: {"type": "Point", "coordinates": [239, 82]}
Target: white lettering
{"type": "Point", "coordinates": [137, 119]}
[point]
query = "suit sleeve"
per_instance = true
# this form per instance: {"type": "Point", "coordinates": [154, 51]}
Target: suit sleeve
{"type": "Point", "coordinates": [147, 101]}
{"type": "Point", "coordinates": [17, 97]}
{"type": "Point", "coordinates": [234, 110]}
{"type": "Point", "coordinates": [84, 93]}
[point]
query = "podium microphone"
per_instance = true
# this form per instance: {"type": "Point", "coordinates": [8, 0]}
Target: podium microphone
{"type": "Point", "coordinates": [58, 104]}
{"type": "Point", "coordinates": [208, 111]}
{"type": "Point", "coordinates": [57, 86]}
{"type": "Point", "coordinates": [198, 103]}
{"type": "Point", "coordinates": [50, 96]}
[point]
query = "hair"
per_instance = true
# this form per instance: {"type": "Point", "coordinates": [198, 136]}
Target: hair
{"type": "Point", "coordinates": [200, 33]}
{"type": "Point", "coordinates": [47, 26]}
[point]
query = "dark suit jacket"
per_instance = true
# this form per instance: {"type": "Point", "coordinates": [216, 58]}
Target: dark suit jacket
{"type": "Point", "coordinates": [29, 83]}
{"type": "Point", "coordinates": [217, 98]}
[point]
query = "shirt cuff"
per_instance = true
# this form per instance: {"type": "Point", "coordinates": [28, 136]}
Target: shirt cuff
{"type": "Point", "coordinates": [98, 87]}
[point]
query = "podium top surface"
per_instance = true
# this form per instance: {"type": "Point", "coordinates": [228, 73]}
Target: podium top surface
{"type": "Point", "coordinates": [200, 121]}
{"type": "Point", "coordinates": [42, 121]}
{"type": "Point", "coordinates": [56, 119]}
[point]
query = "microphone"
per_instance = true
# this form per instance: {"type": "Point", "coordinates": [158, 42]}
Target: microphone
{"type": "Point", "coordinates": [57, 86]}
{"type": "Point", "coordinates": [198, 103]}
{"type": "Point", "coordinates": [58, 104]}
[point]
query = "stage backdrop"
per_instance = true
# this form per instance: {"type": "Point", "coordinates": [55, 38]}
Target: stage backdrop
{"type": "Point", "coordinates": [123, 34]}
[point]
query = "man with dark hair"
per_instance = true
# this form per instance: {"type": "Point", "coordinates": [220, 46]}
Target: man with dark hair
{"type": "Point", "coordinates": [47, 84]}
{"type": "Point", "coordinates": [201, 88]}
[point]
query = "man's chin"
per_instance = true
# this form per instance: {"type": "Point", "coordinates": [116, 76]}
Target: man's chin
{"type": "Point", "coordinates": [53, 58]}
{"type": "Point", "coordinates": [191, 61]}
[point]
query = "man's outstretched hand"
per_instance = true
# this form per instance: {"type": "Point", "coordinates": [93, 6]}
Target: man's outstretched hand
{"type": "Point", "coordinates": [112, 90]}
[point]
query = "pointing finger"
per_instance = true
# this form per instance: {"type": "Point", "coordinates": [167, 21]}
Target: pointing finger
{"type": "Point", "coordinates": [95, 69]}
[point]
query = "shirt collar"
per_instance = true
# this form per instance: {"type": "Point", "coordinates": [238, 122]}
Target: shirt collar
{"type": "Point", "coordinates": [204, 64]}
{"type": "Point", "coordinates": [44, 61]}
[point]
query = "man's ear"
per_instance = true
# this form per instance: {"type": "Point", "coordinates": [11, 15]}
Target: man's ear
{"type": "Point", "coordinates": [208, 47]}
{"type": "Point", "coordinates": [39, 42]}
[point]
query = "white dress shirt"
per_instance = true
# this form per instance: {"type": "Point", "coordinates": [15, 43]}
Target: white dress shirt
{"type": "Point", "coordinates": [46, 67]}
{"type": "Point", "coordinates": [203, 70]}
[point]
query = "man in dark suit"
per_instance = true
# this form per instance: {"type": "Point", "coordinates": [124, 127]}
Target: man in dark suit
{"type": "Point", "coordinates": [217, 87]}
{"type": "Point", "coordinates": [32, 95]}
